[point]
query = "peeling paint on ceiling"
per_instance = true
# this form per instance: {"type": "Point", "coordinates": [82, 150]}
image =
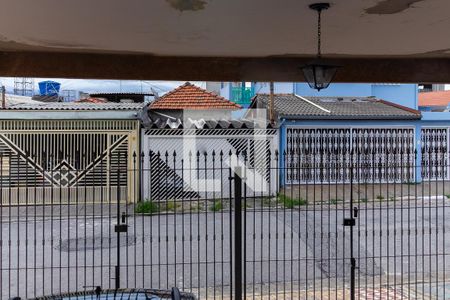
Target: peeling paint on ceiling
{"type": "Point", "coordinates": [387, 7]}
{"type": "Point", "coordinates": [435, 52]}
{"type": "Point", "coordinates": [55, 44]}
{"type": "Point", "coordinates": [183, 5]}
{"type": "Point", "coordinates": [229, 28]}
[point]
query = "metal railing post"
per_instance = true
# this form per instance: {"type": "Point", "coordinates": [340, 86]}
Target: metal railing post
{"type": "Point", "coordinates": [352, 258]}
{"type": "Point", "coordinates": [351, 223]}
{"type": "Point", "coordinates": [238, 232]}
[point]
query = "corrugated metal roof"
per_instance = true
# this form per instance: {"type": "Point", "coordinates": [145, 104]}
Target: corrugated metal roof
{"type": "Point", "coordinates": [77, 106]}
{"type": "Point", "coordinates": [298, 107]}
{"type": "Point", "coordinates": [16, 99]}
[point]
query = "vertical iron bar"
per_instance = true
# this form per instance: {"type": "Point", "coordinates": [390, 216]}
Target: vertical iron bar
{"type": "Point", "coordinates": [174, 156]}
{"type": "Point", "coordinates": [205, 170]}
{"type": "Point", "coordinates": [222, 221]}
{"type": "Point", "coordinates": [27, 158]}
{"type": "Point", "coordinates": [101, 209]}
{"type": "Point", "coordinates": [142, 199]}
{"type": "Point", "coordinates": [1, 225]}
{"type": "Point", "coordinates": [244, 228]}
{"type": "Point", "coordinates": [230, 220]}
{"type": "Point", "coordinates": [352, 259]}
{"type": "Point", "coordinates": [117, 268]}
{"type": "Point", "coordinates": [238, 233]}
{"type": "Point", "coordinates": [52, 195]}
{"type": "Point", "coordinates": [9, 231]}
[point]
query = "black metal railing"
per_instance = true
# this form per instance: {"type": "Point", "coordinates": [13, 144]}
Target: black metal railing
{"type": "Point", "coordinates": [224, 225]}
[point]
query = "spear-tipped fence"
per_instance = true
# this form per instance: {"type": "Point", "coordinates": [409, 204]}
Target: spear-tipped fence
{"type": "Point", "coordinates": [308, 221]}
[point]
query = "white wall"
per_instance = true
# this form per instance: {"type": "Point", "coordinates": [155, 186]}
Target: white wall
{"type": "Point", "coordinates": [204, 143]}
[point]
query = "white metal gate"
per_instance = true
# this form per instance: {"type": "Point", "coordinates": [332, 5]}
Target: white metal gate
{"type": "Point", "coordinates": [434, 143]}
{"type": "Point", "coordinates": [325, 154]}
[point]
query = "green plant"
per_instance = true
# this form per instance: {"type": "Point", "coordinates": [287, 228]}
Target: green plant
{"type": "Point", "coordinates": [448, 196]}
{"type": "Point", "coordinates": [267, 201]}
{"type": "Point", "coordinates": [363, 200]}
{"type": "Point", "coordinates": [171, 205]}
{"type": "Point", "coordinates": [289, 202]}
{"type": "Point", "coordinates": [195, 207]}
{"type": "Point", "coordinates": [216, 206]}
{"type": "Point", "coordinates": [146, 207]}
{"type": "Point", "coordinates": [380, 197]}
{"type": "Point", "coordinates": [392, 199]}
{"type": "Point", "coordinates": [335, 201]}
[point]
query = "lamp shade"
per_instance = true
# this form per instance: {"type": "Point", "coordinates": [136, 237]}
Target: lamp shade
{"type": "Point", "coordinates": [319, 75]}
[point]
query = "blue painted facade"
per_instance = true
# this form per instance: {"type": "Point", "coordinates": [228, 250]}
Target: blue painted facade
{"type": "Point", "coordinates": [416, 124]}
{"type": "Point", "coordinates": [402, 94]}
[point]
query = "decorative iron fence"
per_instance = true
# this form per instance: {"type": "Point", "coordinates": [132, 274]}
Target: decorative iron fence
{"type": "Point", "coordinates": [225, 229]}
{"type": "Point", "coordinates": [382, 149]}
{"type": "Point", "coordinates": [435, 149]}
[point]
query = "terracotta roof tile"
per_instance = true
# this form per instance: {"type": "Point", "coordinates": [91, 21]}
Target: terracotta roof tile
{"type": "Point", "coordinates": [189, 96]}
{"type": "Point", "coordinates": [439, 98]}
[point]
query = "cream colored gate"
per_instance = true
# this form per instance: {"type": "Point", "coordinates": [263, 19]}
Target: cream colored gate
{"type": "Point", "coordinates": [70, 162]}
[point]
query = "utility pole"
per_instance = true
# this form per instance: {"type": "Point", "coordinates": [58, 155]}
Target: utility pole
{"type": "Point", "coordinates": [3, 97]}
{"type": "Point", "coordinates": [271, 108]}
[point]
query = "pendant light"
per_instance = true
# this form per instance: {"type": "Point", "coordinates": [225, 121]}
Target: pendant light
{"type": "Point", "coordinates": [317, 73]}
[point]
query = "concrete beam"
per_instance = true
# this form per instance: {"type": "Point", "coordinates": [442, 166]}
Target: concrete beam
{"type": "Point", "coordinates": [147, 67]}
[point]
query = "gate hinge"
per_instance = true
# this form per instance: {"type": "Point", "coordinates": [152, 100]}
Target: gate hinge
{"type": "Point", "coordinates": [349, 222]}
{"type": "Point", "coordinates": [121, 228]}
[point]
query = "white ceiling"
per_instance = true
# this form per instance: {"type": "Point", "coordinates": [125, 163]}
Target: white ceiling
{"type": "Point", "coordinates": [235, 28]}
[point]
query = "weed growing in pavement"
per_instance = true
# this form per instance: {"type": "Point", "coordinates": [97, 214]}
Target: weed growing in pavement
{"type": "Point", "coordinates": [146, 207]}
{"type": "Point", "coordinates": [216, 206]}
{"type": "Point", "coordinates": [289, 202]}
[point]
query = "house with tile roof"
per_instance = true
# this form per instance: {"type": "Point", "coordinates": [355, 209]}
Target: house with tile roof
{"type": "Point", "coordinates": [189, 99]}
{"type": "Point", "coordinates": [437, 101]}
{"type": "Point", "coordinates": [432, 131]}
{"type": "Point", "coordinates": [192, 120]}
{"type": "Point", "coordinates": [319, 135]}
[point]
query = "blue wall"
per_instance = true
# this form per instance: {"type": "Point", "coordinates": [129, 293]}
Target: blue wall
{"type": "Point", "coordinates": [403, 94]}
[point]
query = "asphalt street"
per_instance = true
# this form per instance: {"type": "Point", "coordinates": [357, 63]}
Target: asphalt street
{"type": "Point", "coordinates": [307, 248]}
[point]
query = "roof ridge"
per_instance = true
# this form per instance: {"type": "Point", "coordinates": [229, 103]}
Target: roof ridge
{"type": "Point", "coordinates": [312, 103]}
{"type": "Point", "coordinates": [204, 97]}
{"type": "Point", "coordinates": [399, 106]}
{"type": "Point", "coordinates": [276, 94]}
{"type": "Point", "coordinates": [170, 92]}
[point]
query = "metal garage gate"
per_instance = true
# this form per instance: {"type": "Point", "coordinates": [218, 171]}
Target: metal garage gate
{"type": "Point", "coordinates": [79, 159]}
